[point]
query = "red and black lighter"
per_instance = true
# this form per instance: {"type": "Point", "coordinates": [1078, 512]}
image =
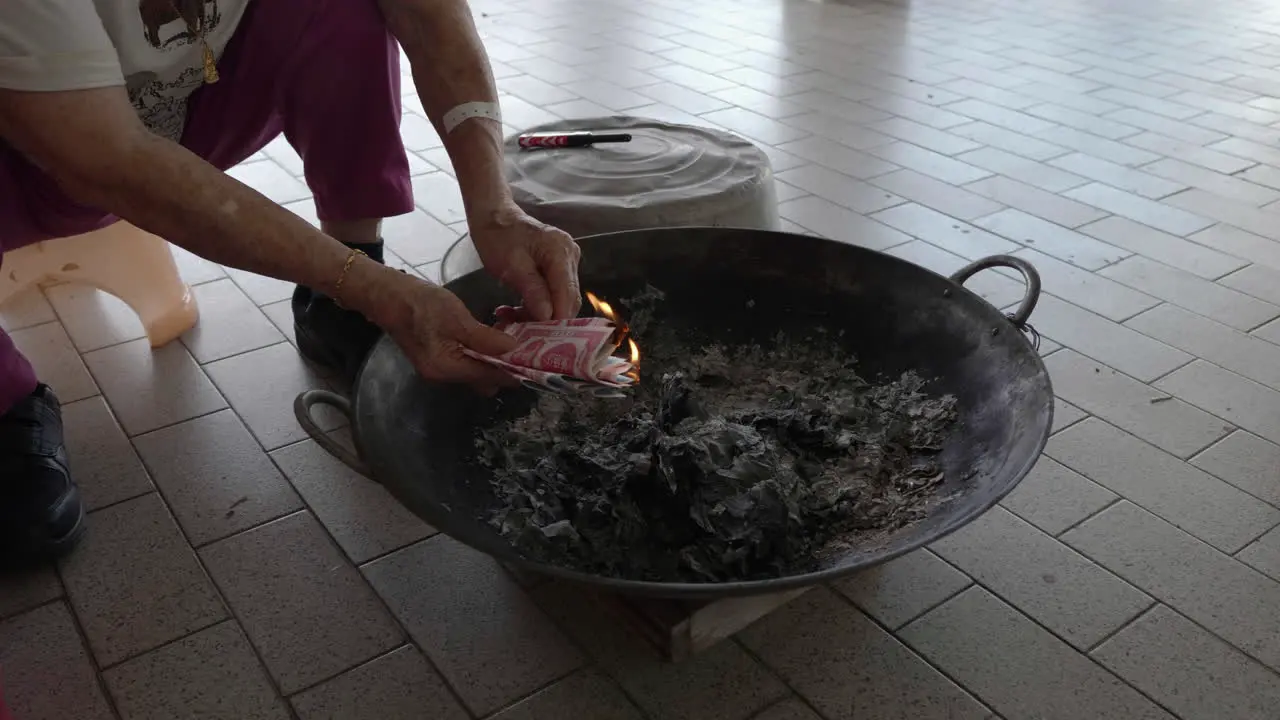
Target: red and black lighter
{"type": "Point", "coordinates": [579, 138]}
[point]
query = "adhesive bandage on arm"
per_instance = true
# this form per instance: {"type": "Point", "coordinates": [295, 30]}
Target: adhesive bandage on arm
{"type": "Point", "coordinates": [466, 111]}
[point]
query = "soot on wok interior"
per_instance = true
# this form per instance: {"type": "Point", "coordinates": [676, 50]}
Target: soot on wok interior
{"type": "Point", "coordinates": [727, 463]}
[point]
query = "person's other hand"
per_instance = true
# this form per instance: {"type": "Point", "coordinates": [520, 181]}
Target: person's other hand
{"type": "Point", "coordinates": [536, 260]}
{"type": "Point", "coordinates": [432, 327]}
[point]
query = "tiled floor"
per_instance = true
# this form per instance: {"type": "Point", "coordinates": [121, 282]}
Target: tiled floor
{"type": "Point", "coordinates": [1131, 149]}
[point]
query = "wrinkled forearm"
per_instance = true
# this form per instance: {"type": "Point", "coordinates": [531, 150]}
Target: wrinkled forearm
{"type": "Point", "coordinates": [92, 144]}
{"type": "Point", "coordinates": [178, 196]}
{"type": "Point", "coordinates": [450, 67]}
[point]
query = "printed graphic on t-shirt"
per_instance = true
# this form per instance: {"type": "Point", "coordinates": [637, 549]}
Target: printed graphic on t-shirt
{"type": "Point", "coordinates": [195, 17]}
{"type": "Point", "coordinates": [169, 26]}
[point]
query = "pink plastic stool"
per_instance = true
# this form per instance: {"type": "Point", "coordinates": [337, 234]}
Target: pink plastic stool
{"type": "Point", "coordinates": [120, 259]}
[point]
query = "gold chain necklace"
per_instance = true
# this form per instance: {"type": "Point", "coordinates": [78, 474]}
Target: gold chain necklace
{"type": "Point", "coordinates": [210, 67]}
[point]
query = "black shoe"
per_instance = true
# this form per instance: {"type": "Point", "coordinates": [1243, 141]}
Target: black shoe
{"type": "Point", "coordinates": [336, 339]}
{"type": "Point", "coordinates": [41, 516]}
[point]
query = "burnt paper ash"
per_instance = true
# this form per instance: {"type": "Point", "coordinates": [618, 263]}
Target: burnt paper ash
{"type": "Point", "coordinates": [732, 464]}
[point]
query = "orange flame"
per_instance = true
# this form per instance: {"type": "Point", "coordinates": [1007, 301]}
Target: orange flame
{"type": "Point", "coordinates": [624, 332]}
{"type": "Point", "coordinates": [601, 306]}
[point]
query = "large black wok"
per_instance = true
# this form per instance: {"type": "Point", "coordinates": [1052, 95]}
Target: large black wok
{"type": "Point", "coordinates": [417, 438]}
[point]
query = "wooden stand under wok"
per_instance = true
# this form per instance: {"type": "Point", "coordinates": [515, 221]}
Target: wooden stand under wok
{"type": "Point", "coordinates": [680, 629]}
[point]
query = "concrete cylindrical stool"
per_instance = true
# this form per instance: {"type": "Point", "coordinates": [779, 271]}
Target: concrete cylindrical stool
{"type": "Point", "coordinates": [669, 175]}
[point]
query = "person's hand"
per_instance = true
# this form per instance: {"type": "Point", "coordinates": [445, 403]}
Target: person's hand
{"type": "Point", "coordinates": [432, 326]}
{"type": "Point", "coordinates": [536, 260]}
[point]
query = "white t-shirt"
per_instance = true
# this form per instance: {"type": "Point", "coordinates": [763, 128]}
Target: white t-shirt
{"type": "Point", "coordinates": [145, 45]}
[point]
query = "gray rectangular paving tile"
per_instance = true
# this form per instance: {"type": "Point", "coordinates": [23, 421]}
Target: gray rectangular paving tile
{"type": "Point", "coordinates": [103, 462]}
{"type": "Point", "coordinates": [1016, 143]}
{"type": "Point", "coordinates": [1181, 288]}
{"type": "Point", "coordinates": [1003, 117]}
{"type": "Point", "coordinates": [936, 195]}
{"type": "Point", "coordinates": [1219, 344]}
{"type": "Point", "coordinates": [1163, 247]}
{"type": "Point", "coordinates": [270, 179]}
{"type": "Point", "coordinates": [397, 686]}
{"type": "Point", "coordinates": [1139, 209]}
{"type": "Point", "coordinates": [1249, 150]}
{"type": "Point", "coordinates": [487, 637]}
{"type": "Point", "coordinates": [150, 388]}
{"type": "Point", "coordinates": [229, 323]}
{"type": "Point", "coordinates": [261, 387]}
{"type": "Point", "coordinates": [1257, 280]}
{"type": "Point", "coordinates": [134, 582]}
{"type": "Point", "coordinates": [1082, 120]}
{"type": "Point", "coordinates": [1189, 152]}
{"type": "Point", "coordinates": [1088, 144]}
{"type": "Point", "coordinates": [1246, 461]}
{"type": "Point", "coordinates": [1117, 176]}
{"type": "Point", "coordinates": [1126, 350]}
{"type": "Point", "coordinates": [21, 591]}
{"type": "Point", "coordinates": [1240, 243]}
{"type": "Point", "coordinates": [1054, 497]}
{"type": "Point", "coordinates": [930, 138]}
{"type": "Point", "coordinates": [585, 694]}
{"type": "Point", "coordinates": [1265, 175]}
{"type": "Point", "coordinates": [1218, 592]}
{"type": "Point", "coordinates": [854, 163]}
{"type": "Point", "coordinates": [1034, 201]}
{"type": "Point", "coordinates": [55, 360]}
{"type": "Point", "coordinates": [439, 195]}
{"type": "Point", "coordinates": [217, 478]}
{"type": "Point", "coordinates": [848, 668]}
{"type": "Point", "coordinates": [790, 709]}
{"type": "Point", "coordinates": [306, 609]}
{"type": "Point", "coordinates": [903, 588]}
{"type": "Point", "coordinates": [47, 673]}
{"type": "Point", "coordinates": [1269, 332]}
{"type": "Point", "coordinates": [417, 237]}
{"type": "Point", "coordinates": [1226, 185]}
{"type": "Point", "coordinates": [1227, 210]}
{"type": "Point", "coordinates": [1211, 509]}
{"type": "Point", "coordinates": [1160, 121]}
{"type": "Point", "coordinates": [723, 682]}
{"type": "Point", "coordinates": [1020, 669]}
{"type": "Point", "coordinates": [994, 95]}
{"type": "Point", "coordinates": [26, 309]}
{"type": "Point", "coordinates": [838, 223]}
{"type": "Point", "coordinates": [755, 126]}
{"type": "Point", "coordinates": [92, 318]}
{"type": "Point", "coordinates": [1089, 290]}
{"type": "Point", "coordinates": [1167, 423]}
{"type": "Point", "coordinates": [1190, 671]}
{"type": "Point", "coordinates": [1053, 584]}
{"type": "Point", "coordinates": [1052, 239]}
{"type": "Point", "coordinates": [1239, 400]}
{"type": "Point", "coordinates": [841, 189]}
{"type": "Point", "coordinates": [359, 513]}
{"type": "Point", "coordinates": [1033, 172]}
{"type": "Point", "coordinates": [929, 163]}
{"type": "Point", "coordinates": [1263, 554]}
{"type": "Point", "coordinates": [1064, 413]}
{"type": "Point", "coordinates": [212, 673]}
{"type": "Point", "coordinates": [944, 231]}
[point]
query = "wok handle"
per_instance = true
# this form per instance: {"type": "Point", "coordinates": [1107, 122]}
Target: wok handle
{"type": "Point", "coordinates": [302, 410]}
{"type": "Point", "coordinates": [1020, 316]}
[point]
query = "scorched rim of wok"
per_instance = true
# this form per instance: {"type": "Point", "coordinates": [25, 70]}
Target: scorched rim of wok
{"type": "Point", "coordinates": [380, 439]}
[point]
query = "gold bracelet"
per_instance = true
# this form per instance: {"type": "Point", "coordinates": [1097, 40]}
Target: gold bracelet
{"type": "Point", "coordinates": [342, 276]}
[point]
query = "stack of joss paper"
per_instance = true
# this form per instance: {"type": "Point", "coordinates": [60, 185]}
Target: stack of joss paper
{"type": "Point", "coordinates": [570, 356]}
